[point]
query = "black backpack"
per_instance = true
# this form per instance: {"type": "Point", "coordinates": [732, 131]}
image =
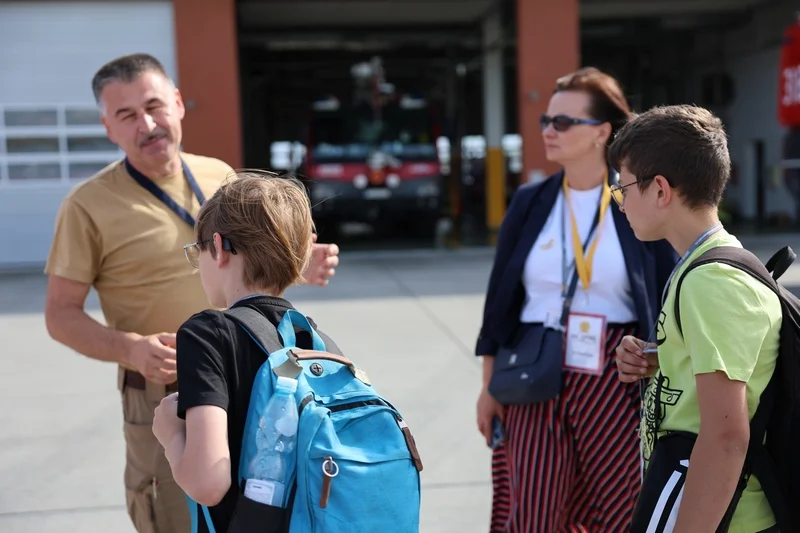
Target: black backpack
{"type": "Point", "coordinates": [776, 461]}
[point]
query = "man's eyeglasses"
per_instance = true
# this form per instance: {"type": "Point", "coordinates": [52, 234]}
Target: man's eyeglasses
{"type": "Point", "coordinates": [618, 191]}
{"type": "Point", "coordinates": [563, 122]}
{"type": "Point", "coordinates": [192, 250]}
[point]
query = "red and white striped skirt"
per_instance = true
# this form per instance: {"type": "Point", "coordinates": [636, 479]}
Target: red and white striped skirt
{"type": "Point", "coordinates": [571, 464]}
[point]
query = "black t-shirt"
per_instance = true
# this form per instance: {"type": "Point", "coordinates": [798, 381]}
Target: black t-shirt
{"type": "Point", "coordinates": [217, 364]}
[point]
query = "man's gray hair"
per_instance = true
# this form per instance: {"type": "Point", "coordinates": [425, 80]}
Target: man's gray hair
{"type": "Point", "coordinates": [125, 69]}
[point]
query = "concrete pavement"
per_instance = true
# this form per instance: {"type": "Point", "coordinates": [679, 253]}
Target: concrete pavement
{"type": "Point", "coordinates": [409, 318]}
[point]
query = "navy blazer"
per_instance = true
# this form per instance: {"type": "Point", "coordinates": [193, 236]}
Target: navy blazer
{"type": "Point", "coordinates": [649, 264]}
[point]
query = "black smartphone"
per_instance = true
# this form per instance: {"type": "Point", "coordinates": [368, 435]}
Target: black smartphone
{"type": "Point", "coordinates": [498, 433]}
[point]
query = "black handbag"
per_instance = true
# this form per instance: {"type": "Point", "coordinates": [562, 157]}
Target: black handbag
{"type": "Point", "coordinates": [530, 369]}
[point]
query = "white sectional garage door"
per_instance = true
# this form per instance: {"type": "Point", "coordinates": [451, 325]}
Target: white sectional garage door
{"type": "Point", "coordinates": [50, 134]}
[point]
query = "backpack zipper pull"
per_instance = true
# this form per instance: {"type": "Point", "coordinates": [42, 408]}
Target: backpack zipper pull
{"type": "Point", "coordinates": [329, 471]}
{"type": "Point", "coordinates": [410, 442]}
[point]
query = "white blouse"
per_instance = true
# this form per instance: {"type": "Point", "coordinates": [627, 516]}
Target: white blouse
{"type": "Point", "coordinates": [609, 292]}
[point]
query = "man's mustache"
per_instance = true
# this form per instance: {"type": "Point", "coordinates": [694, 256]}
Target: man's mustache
{"type": "Point", "coordinates": [156, 135]}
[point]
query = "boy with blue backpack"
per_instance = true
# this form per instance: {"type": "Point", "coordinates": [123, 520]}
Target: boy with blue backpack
{"type": "Point", "coordinates": [273, 428]}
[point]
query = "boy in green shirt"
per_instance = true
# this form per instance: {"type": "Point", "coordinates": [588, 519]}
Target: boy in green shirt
{"type": "Point", "coordinates": [674, 165]}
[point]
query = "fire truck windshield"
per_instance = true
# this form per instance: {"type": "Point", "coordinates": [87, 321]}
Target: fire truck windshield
{"type": "Point", "coordinates": [351, 134]}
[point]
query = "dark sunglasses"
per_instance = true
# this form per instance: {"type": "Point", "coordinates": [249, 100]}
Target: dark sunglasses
{"type": "Point", "coordinates": [564, 122]}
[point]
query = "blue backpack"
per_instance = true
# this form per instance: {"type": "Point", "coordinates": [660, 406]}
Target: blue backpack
{"type": "Point", "coordinates": [357, 465]}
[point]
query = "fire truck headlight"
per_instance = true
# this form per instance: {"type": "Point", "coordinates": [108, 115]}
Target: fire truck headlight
{"type": "Point", "coordinates": [360, 181]}
{"type": "Point", "coordinates": [392, 180]}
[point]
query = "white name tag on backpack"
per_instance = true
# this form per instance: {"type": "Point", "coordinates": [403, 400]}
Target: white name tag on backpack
{"type": "Point", "coordinates": [585, 343]}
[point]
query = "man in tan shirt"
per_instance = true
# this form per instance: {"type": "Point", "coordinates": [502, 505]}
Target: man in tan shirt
{"type": "Point", "coordinates": [123, 232]}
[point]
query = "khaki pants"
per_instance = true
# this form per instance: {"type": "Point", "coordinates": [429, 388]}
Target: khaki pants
{"type": "Point", "coordinates": [156, 504]}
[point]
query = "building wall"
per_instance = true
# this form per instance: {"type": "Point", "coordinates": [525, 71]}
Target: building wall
{"type": "Point", "coordinates": [752, 117]}
{"type": "Point", "coordinates": [750, 55]}
{"type": "Point", "coordinates": [58, 46]}
{"type": "Point", "coordinates": [208, 62]}
{"type": "Point", "coordinates": [50, 134]}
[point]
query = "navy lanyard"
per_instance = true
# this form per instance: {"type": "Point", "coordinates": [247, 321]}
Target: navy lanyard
{"type": "Point", "coordinates": [700, 240]}
{"type": "Point", "coordinates": [156, 191]}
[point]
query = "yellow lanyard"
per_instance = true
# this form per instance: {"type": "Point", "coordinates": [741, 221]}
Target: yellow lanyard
{"type": "Point", "coordinates": [583, 263]}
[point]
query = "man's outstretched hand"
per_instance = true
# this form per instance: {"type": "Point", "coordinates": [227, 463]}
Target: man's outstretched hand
{"type": "Point", "coordinates": [322, 267]}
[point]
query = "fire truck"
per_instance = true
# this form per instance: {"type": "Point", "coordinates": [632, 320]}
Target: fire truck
{"type": "Point", "coordinates": [372, 157]}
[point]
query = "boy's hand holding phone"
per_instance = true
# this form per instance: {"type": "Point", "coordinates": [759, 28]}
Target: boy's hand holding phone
{"type": "Point", "coordinates": [636, 359]}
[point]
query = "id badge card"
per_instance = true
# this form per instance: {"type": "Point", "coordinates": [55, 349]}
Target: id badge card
{"type": "Point", "coordinates": [585, 343]}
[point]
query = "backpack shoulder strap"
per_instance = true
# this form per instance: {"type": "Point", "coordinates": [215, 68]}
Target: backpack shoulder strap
{"type": "Point", "coordinates": [736, 257]}
{"type": "Point", "coordinates": [257, 326]}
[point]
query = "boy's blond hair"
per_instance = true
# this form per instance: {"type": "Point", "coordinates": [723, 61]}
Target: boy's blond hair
{"type": "Point", "coordinates": [267, 219]}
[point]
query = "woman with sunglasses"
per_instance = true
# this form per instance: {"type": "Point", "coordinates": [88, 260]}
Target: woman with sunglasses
{"type": "Point", "coordinates": [569, 462]}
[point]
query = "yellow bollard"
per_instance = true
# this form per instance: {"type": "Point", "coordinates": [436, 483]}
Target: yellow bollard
{"type": "Point", "coordinates": [495, 191]}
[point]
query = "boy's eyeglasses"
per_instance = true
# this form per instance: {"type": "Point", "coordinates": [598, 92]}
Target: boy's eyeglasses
{"type": "Point", "coordinates": [563, 122]}
{"type": "Point", "coordinates": [618, 192]}
{"type": "Point", "coordinates": [192, 250]}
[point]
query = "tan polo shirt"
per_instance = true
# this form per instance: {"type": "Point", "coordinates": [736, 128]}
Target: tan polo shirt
{"type": "Point", "coordinates": [113, 234]}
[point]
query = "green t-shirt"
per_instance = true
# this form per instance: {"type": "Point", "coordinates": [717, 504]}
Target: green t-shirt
{"type": "Point", "coordinates": [731, 323]}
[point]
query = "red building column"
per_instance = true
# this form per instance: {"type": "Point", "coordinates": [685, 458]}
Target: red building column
{"type": "Point", "coordinates": [548, 47]}
{"type": "Point", "coordinates": [208, 78]}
